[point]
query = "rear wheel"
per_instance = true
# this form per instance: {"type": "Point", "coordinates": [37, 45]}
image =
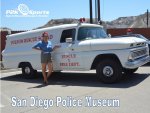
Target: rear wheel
{"type": "Point", "coordinates": [129, 71]}
{"type": "Point", "coordinates": [28, 71]}
{"type": "Point", "coordinates": [109, 71]}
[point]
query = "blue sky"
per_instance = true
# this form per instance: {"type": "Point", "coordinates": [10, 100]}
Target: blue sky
{"type": "Point", "coordinates": [110, 10]}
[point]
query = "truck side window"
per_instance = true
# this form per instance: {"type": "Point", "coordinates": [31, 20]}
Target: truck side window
{"type": "Point", "coordinates": [69, 33]}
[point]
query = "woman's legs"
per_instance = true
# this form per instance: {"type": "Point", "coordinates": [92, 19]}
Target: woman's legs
{"type": "Point", "coordinates": [50, 68]}
{"type": "Point", "coordinates": [44, 72]}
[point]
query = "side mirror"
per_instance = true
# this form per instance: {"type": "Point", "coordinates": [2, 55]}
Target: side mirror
{"type": "Point", "coordinates": [68, 40]}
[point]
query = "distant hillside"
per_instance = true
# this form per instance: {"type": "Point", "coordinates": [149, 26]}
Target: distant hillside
{"type": "Point", "coordinates": [129, 22]}
{"type": "Point", "coordinates": [141, 21]}
{"type": "Point", "coordinates": [122, 22]}
{"type": "Point", "coordinates": [55, 22]}
{"type": "Point", "coordinates": [5, 29]}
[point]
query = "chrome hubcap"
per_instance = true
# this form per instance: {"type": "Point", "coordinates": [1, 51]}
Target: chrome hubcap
{"type": "Point", "coordinates": [27, 70]}
{"type": "Point", "coordinates": [108, 71]}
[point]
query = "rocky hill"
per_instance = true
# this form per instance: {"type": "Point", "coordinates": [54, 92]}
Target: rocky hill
{"type": "Point", "coordinates": [139, 21]}
{"type": "Point", "coordinates": [122, 22]}
{"type": "Point", "coordinates": [5, 29]}
{"type": "Point", "coordinates": [55, 22]}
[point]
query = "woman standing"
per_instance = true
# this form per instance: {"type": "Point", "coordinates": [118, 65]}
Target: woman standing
{"type": "Point", "coordinates": [45, 46]}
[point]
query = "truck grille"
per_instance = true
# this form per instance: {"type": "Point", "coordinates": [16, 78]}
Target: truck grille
{"type": "Point", "coordinates": [139, 53]}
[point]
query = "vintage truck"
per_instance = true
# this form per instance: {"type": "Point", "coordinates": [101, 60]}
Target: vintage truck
{"type": "Point", "coordinates": [83, 47]}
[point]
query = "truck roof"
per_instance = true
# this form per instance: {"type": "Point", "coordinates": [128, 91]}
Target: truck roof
{"type": "Point", "coordinates": [56, 27]}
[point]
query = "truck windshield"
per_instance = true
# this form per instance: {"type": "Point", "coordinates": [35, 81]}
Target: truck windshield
{"type": "Point", "coordinates": [86, 33]}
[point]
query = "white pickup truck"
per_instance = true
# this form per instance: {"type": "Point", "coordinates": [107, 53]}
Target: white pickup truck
{"type": "Point", "coordinates": [83, 47]}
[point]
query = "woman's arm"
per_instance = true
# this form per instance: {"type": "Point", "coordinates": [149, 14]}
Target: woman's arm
{"type": "Point", "coordinates": [55, 47]}
{"type": "Point", "coordinates": [36, 48]}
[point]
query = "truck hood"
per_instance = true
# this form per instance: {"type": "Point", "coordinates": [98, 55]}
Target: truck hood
{"type": "Point", "coordinates": [115, 43]}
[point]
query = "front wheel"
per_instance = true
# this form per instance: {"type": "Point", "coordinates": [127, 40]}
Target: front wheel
{"type": "Point", "coordinates": [28, 72]}
{"type": "Point", "coordinates": [109, 71]}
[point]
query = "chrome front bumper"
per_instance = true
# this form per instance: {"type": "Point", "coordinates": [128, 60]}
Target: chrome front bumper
{"type": "Point", "coordinates": [137, 63]}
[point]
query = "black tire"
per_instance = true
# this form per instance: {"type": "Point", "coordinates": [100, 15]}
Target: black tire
{"type": "Point", "coordinates": [129, 71]}
{"type": "Point", "coordinates": [28, 72]}
{"type": "Point", "coordinates": [112, 70]}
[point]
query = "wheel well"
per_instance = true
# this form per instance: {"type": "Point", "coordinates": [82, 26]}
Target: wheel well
{"type": "Point", "coordinates": [102, 57]}
{"type": "Point", "coordinates": [22, 64]}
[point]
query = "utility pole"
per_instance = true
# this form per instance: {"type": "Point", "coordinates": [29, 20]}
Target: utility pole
{"type": "Point", "coordinates": [99, 17]}
{"type": "Point", "coordinates": [91, 14]}
{"type": "Point", "coordinates": [147, 17]}
{"type": "Point", "coordinates": [96, 12]}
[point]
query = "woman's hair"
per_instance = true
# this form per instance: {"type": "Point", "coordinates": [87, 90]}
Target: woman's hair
{"type": "Point", "coordinates": [45, 33]}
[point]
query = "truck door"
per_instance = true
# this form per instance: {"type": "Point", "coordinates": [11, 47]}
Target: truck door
{"type": "Point", "coordinates": [67, 57]}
